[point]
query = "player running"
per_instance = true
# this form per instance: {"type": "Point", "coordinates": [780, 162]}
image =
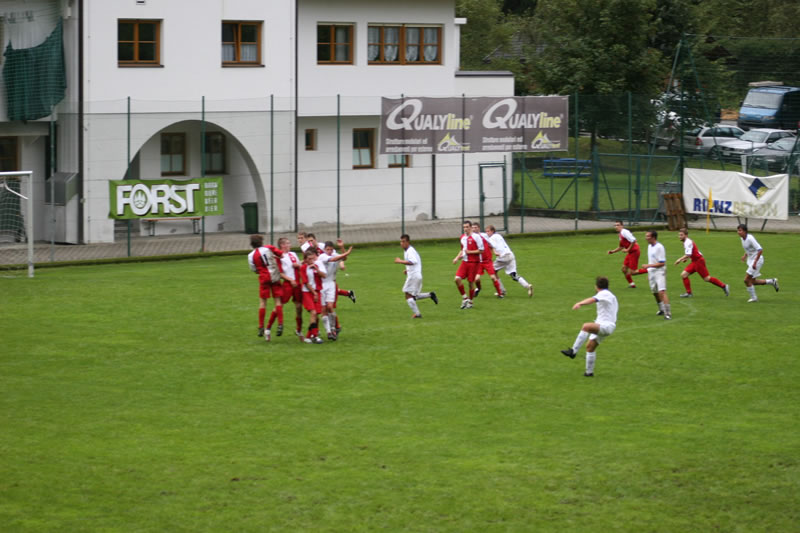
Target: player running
{"type": "Point", "coordinates": [656, 269]}
{"type": "Point", "coordinates": [627, 242]}
{"type": "Point", "coordinates": [413, 285]}
{"type": "Point", "coordinates": [698, 265]}
{"type": "Point", "coordinates": [755, 260]}
{"type": "Point", "coordinates": [505, 260]}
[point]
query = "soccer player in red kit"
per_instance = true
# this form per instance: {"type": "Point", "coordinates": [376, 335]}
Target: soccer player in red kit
{"type": "Point", "coordinates": [292, 288]}
{"type": "Point", "coordinates": [311, 274]}
{"type": "Point", "coordinates": [627, 242]}
{"type": "Point", "coordinates": [470, 254]}
{"type": "Point", "coordinates": [487, 263]}
{"type": "Point", "coordinates": [698, 265]}
{"type": "Point", "coordinates": [264, 260]}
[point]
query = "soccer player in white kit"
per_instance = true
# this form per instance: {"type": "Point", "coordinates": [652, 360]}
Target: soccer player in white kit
{"type": "Point", "coordinates": [328, 292]}
{"type": "Point", "coordinates": [752, 256]}
{"type": "Point", "coordinates": [413, 285]}
{"type": "Point", "coordinates": [656, 269]}
{"type": "Point", "coordinates": [603, 326]}
{"type": "Point", "coordinates": [505, 259]}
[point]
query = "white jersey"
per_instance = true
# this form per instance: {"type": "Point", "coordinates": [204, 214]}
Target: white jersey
{"type": "Point", "coordinates": [288, 260]}
{"type": "Point", "coordinates": [415, 268]}
{"type": "Point", "coordinates": [330, 269]}
{"type": "Point", "coordinates": [751, 248]}
{"type": "Point", "coordinates": [656, 254]}
{"type": "Point", "coordinates": [304, 246]}
{"type": "Point", "coordinates": [607, 307]}
{"type": "Point", "coordinates": [499, 244]}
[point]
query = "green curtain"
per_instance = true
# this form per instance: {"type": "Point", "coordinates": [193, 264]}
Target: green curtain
{"type": "Point", "coordinates": [35, 77]}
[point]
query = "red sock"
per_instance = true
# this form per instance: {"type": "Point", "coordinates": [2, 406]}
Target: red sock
{"type": "Point", "coordinates": [271, 319]}
{"type": "Point", "coordinates": [337, 321]}
{"type": "Point", "coordinates": [262, 312]}
{"type": "Point", "coordinates": [497, 287]}
{"type": "Point", "coordinates": [642, 271]}
{"type": "Point", "coordinates": [688, 285]}
{"type": "Point", "coordinates": [629, 278]}
{"type": "Point", "coordinates": [342, 292]}
{"type": "Point", "coordinates": [471, 294]}
{"type": "Point", "coordinates": [478, 284]}
{"type": "Point", "coordinates": [461, 289]}
{"type": "Point", "coordinates": [299, 321]}
{"type": "Point", "coordinates": [717, 282]}
{"type": "Point", "coordinates": [279, 310]}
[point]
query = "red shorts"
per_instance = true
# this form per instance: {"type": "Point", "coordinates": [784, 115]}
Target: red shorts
{"type": "Point", "coordinates": [632, 258]}
{"type": "Point", "coordinates": [488, 267]}
{"type": "Point", "coordinates": [267, 289]}
{"type": "Point", "coordinates": [291, 293]}
{"type": "Point", "coordinates": [468, 271]}
{"type": "Point", "coordinates": [698, 266]}
{"type": "Point", "coordinates": [309, 304]}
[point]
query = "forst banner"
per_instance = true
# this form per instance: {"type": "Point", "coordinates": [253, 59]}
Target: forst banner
{"type": "Point", "coordinates": [474, 125]}
{"type": "Point", "coordinates": [735, 194]}
{"type": "Point", "coordinates": [165, 198]}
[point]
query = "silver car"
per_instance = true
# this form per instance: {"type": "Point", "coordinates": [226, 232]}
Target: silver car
{"type": "Point", "coordinates": [705, 139]}
{"type": "Point", "coordinates": [747, 143]}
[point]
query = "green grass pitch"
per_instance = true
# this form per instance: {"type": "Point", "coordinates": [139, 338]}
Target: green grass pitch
{"type": "Point", "coordinates": [137, 397]}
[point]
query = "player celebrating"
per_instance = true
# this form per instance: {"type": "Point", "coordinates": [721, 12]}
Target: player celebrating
{"type": "Point", "coordinates": [470, 253]}
{"type": "Point", "coordinates": [698, 265]}
{"type": "Point", "coordinates": [627, 242]}
{"type": "Point", "coordinates": [291, 289]}
{"type": "Point", "coordinates": [328, 293]}
{"type": "Point", "coordinates": [311, 274]}
{"type": "Point", "coordinates": [505, 260]}
{"type": "Point", "coordinates": [413, 285]}
{"type": "Point", "coordinates": [656, 269]}
{"type": "Point", "coordinates": [603, 326]}
{"type": "Point", "coordinates": [754, 260]}
{"type": "Point", "coordinates": [265, 261]}
{"type": "Point", "coordinates": [486, 263]}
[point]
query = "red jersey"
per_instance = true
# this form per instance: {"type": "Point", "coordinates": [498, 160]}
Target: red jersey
{"type": "Point", "coordinates": [691, 249]}
{"type": "Point", "coordinates": [309, 275]}
{"type": "Point", "coordinates": [627, 239]}
{"type": "Point", "coordinates": [265, 261]}
{"type": "Point", "coordinates": [486, 256]}
{"type": "Point", "coordinates": [471, 242]}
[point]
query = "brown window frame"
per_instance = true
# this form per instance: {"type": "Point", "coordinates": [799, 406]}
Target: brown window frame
{"type": "Point", "coordinates": [237, 43]}
{"type": "Point", "coordinates": [401, 59]}
{"type": "Point", "coordinates": [209, 136]}
{"type": "Point", "coordinates": [183, 154]}
{"type": "Point", "coordinates": [371, 132]}
{"type": "Point", "coordinates": [406, 161]}
{"type": "Point", "coordinates": [136, 62]}
{"type": "Point", "coordinates": [311, 139]}
{"type": "Point", "coordinates": [14, 158]}
{"type": "Point", "coordinates": [332, 44]}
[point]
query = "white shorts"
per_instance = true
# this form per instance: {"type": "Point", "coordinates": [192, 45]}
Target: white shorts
{"type": "Point", "coordinates": [755, 272]}
{"type": "Point", "coordinates": [506, 262]}
{"type": "Point", "coordinates": [327, 294]}
{"type": "Point", "coordinates": [413, 285]}
{"type": "Point", "coordinates": [606, 329]}
{"type": "Point", "coordinates": [658, 280]}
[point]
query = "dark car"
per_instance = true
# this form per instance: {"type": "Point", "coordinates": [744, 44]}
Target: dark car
{"type": "Point", "coordinates": [778, 155]}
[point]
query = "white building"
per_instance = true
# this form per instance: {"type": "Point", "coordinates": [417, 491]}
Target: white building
{"type": "Point", "coordinates": [287, 95]}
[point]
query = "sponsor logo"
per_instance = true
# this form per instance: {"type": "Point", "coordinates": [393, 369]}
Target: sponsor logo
{"type": "Point", "coordinates": [157, 199]}
{"type": "Point", "coordinates": [542, 141]}
{"type": "Point", "coordinates": [419, 121]}
{"type": "Point", "coordinates": [449, 144]}
{"type": "Point", "coordinates": [758, 188]}
{"type": "Point", "coordinates": [503, 114]}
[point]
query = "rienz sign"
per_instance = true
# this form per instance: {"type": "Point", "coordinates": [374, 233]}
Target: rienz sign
{"type": "Point", "coordinates": [446, 125]}
{"type": "Point", "coordinates": [165, 198]}
{"type": "Point", "coordinates": [735, 194]}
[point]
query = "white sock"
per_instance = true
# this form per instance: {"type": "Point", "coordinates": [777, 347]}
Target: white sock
{"type": "Point", "coordinates": [523, 282]}
{"type": "Point", "coordinates": [590, 357]}
{"type": "Point", "coordinates": [332, 320]}
{"type": "Point", "coordinates": [661, 307]}
{"type": "Point", "coordinates": [326, 324]}
{"type": "Point", "coordinates": [423, 295]}
{"type": "Point", "coordinates": [752, 290]}
{"type": "Point", "coordinates": [579, 340]}
{"type": "Point", "coordinates": [771, 281]}
{"type": "Point", "coordinates": [667, 310]}
{"type": "Point", "coordinates": [413, 305]}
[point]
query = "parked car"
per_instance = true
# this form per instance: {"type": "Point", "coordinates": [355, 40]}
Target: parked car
{"type": "Point", "coordinates": [779, 154]}
{"type": "Point", "coordinates": [747, 143]}
{"type": "Point", "coordinates": [702, 140]}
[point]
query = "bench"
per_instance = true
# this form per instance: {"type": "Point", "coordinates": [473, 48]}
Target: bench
{"type": "Point", "coordinates": [567, 167]}
{"type": "Point", "coordinates": [151, 223]}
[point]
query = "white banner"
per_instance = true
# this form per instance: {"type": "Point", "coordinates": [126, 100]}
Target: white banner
{"type": "Point", "coordinates": [735, 194]}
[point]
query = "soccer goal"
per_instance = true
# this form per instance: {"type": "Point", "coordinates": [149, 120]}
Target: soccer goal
{"type": "Point", "coordinates": [16, 221]}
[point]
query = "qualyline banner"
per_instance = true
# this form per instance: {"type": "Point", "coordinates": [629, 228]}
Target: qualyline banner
{"type": "Point", "coordinates": [165, 198]}
{"type": "Point", "coordinates": [474, 125]}
{"type": "Point", "coordinates": [735, 194]}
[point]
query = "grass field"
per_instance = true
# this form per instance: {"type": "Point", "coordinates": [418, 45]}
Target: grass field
{"type": "Point", "coordinates": [138, 397]}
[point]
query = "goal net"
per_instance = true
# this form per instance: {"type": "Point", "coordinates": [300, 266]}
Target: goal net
{"type": "Point", "coordinates": [16, 222]}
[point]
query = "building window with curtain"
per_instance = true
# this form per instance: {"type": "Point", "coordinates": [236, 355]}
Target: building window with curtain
{"type": "Point", "coordinates": [138, 43]}
{"type": "Point", "coordinates": [215, 153]}
{"type": "Point", "coordinates": [364, 148]}
{"type": "Point", "coordinates": [241, 43]}
{"type": "Point", "coordinates": [335, 44]}
{"type": "Point", "coordinates": [404, 45]}
{"type": "Point", "coordinates": [173, 154]}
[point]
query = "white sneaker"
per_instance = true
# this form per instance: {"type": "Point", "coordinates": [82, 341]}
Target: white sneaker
{"type": "Point", "coordinates": [469, 304]}
{"type": "Point", "coordinates": [530, 291]}
{"type": "Point", "coordinates": [727, 290]}
{"type": "Point", "coordinates": [775, 284]}
{"type": "Point", "coordinates": [464, 303]}
{"type": "Point", "coordinates": [267, 335]}
{"type": "Point", "coordinates": [308, 340]}
{"type": "Point", "coordinates": [751, 300]}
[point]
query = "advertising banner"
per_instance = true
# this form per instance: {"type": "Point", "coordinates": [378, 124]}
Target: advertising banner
{"type": "Point", "coordinates": [474, 125]}
{"type": "Point", "coordinates": [735, 194]}
{"type": "Point", "coordinates": [165, 198]}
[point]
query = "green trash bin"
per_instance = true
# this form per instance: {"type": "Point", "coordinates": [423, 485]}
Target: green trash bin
{"type": "Point", "coordinates": [250, 217]}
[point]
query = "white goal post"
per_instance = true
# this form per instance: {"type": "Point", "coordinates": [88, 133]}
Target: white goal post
{"type": "Point", "coordinates": [16, 219]}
